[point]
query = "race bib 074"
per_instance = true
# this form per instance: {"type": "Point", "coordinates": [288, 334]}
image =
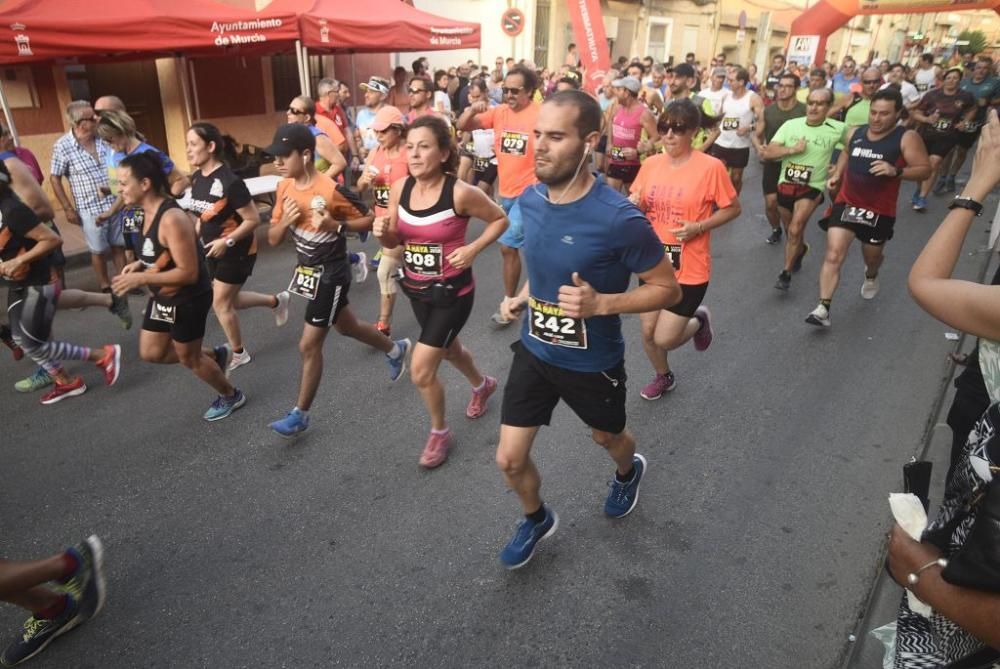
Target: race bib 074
{"type": "Point", "coordinates": [382, 195]}
{"type": "Point", "coordinates": [549, 324]}
{"type": "Point", "coordinates": [481, 164]}
{"type": "Point", "coordinates": [163, 313]}
{"type": "Point", "coordinates": [305, 281]}
{"type": "Point", "coordinates": [514, 143]}
{"type": "Point", "coordinates": [798, 174]}
{"type": "Point", "coordinates": [423, 259]}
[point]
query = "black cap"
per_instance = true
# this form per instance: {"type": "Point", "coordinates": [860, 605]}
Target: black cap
{"type": "Point", "coordinates": [683, 70]}
{"type": "Point", "coordinates": [291, 137]}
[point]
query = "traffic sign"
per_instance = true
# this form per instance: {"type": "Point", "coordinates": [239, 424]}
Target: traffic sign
{"type": "Point", "coordinates": [512, 22]}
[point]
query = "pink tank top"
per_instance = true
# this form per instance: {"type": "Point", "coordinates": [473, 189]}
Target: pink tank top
{"type": "Point", "coordinates": [626, 129]}
{"type": "Point", "coordinates": [389, 171]}
{"type": "Point", "coordinates": [430, 235]}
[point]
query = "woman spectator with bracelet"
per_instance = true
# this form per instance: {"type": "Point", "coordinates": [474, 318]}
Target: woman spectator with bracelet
{"type": "Point", "coordinates": [941, 570]}
{"type": "Point", "coordinates": [685, 193]}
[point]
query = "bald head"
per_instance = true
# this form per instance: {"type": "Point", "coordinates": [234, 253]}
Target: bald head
{"type": "Point", "coordinates": [109, 103]}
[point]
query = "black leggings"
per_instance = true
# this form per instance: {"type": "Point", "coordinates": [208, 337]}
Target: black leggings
{"type": "Point", "coordinates": [440, 325]}
{"type": "Point", "coordinates": [31, 310]}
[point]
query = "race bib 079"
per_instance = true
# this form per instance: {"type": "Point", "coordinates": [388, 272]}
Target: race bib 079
{"type": "Point", "coordinates": [549, 324]}
{"type": "Point", "coordinates": [798, 174]}
{"type": "Point", "coordinates": [423, 259]}
{"type": "Point", "coordinates": [514, 143]}
{"type": "Point", "coordinates": [305, 281]}
{"type": "Point", "coordinates": [859, 216]}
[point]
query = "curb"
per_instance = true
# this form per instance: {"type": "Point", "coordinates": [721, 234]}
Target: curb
{"type": "Point", "coordinates": [879, 578]}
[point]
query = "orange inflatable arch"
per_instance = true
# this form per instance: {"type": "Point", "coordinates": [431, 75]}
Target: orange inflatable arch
{"type": "Point", "coordinates": [807, 38]}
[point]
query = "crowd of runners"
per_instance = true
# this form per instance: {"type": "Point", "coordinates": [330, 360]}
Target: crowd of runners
{"type": "Point", "coordinates": [579, 191]}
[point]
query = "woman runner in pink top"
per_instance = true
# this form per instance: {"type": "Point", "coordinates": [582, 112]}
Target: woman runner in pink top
{"type": "Point", "coordinates": [429, 214]}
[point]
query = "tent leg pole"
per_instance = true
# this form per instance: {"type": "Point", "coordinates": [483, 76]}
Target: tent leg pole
{"type": "Point", "coordinates": [9, 116]}
{"type": "Point", "coordinates": [301, 64]}
{"type": "Point", "coordinates": [182, 71]}
{"type": "Point", "coordinates": [354, 83]}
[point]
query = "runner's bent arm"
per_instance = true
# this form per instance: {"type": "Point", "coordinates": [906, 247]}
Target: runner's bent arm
{"type": "Point", "coordinates": [329, 152]}
{"type": "Point", "coordinates": [834, 179]}
{"type": "Point", "coordinates": [649, 125]}
{"type": "Point", "coordinates": [177, 234]}
{"type": "Point", "coordinates": [67, 205]}
{"type": "Point", "coordinates": [24, 185]}
{"type": "Point", "coordinates": [775, 150]}
{"type": "Point", "coordinates": [918, 165]}
{"type": "Point", "coordinates": [285, 213]}
{"type": "Point", "coordinates": [964, 305]}
{"type": "Point", "coordinates": [178, 182]}
{"type": "Point", "coordinates": [46, 241]}
{"type": "Point", "coordinates": [469, 120]}
{"type": "Point", "coordinates": [659, 290]}
{"type": "Point", "coordinates": [472, 202]}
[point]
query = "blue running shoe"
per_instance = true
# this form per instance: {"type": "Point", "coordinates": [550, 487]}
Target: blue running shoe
{"type": "Point", "coordinates": [87, 584]}
{"type": "Point", "coordinates": [363, 236]}
{"type": "Point", "coordinates": [623, 497]}
{"type": "Point", "coordinates": [521, 547]}
{"type": "Point", "coordinates": [398, 365]}
{"type": "Point", "coordinates": [222, 407]}
{"type": "Point", "coordinates": [38, 633]}
{"type": "Point", "coordinates": [920, 204]}
{"type": "Point", "coordinates": [292, 424]}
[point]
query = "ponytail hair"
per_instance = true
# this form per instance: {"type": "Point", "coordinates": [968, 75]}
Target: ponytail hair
{"type": "Point", "coordinates": [147, 165]}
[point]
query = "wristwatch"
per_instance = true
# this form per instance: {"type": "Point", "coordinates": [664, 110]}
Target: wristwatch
{"type": "Point", "coordinates": [230, 242]}
{"type": "Point", "coordinates": [967, 203]}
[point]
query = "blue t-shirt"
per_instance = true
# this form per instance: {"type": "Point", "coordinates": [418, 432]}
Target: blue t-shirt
{"type": "Point", "coordinates": [116, 157]}
{"type": "Point", "coordinates": [842, 84]}
{"type": "Point", "coordinates": [603, 237]}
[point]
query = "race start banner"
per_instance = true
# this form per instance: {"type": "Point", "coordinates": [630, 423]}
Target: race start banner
{"type": "Point", "coordinates": [592, 43]}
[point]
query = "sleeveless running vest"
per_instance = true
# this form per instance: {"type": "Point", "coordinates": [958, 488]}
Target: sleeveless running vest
{"type": "Point", "coordinates": [385, 172]}
{"type": "Point", "coordinates": [156, 257]}
{"type": "Point", "coordinates": [626, 129]}
{"type": "Point", "coordinates": [861, 188]}
{"type": "Point", "coordinates": [736, 113]}
{"type": "Point", "coordinates": [429, 236]}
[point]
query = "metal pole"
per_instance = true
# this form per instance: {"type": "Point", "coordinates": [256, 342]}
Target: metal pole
{"type": "Point", "coordinates": [181, 64]}
{"type": "Point", "coordinates": [301, 66]}
{"type": "Point", "coordinates": [10, 117]}
{"type": "Point", "coordinates": [354, 86]}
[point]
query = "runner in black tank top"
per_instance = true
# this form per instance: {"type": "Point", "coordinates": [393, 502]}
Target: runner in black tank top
{"type": "Point", "coordinates": [428, 216]}
{"type": "Point", "coordinates": [877, 157]}
{"type": "Point", "coordinates": [172, 263]}
{"type": "Point", "coordinates": [228, 221]}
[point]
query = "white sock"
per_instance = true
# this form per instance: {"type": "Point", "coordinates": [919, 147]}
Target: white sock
{"type": "Point", "coordinates": [395, 352]}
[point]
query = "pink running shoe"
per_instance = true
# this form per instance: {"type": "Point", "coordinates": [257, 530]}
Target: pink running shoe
{"type": "Point", "coordinates": [703, 337]}
{"type": "Point", "coordinates": [477, 405]}
{"type": "Point", "coordinates": [436, 450]}
{"type": "Point", "coordinates": [661, 383]}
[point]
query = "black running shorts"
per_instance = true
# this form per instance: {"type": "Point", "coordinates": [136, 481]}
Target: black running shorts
{"type": "Point", "coordinates": [233, 271]}
{"type": "Point", "coordinates": [185, 322]}
{"type": "Point", "coordinates": [771, 175]}
{"type": "Point", "coordinates": [624, 173]}
{"type": "Point", "coordinates": [439, 326]}
{"type": "Point", "coordinates": [733, 158]}
{"type": "Point", "coordinates": [873, 235]}
{"type": "Point", "coordinates": [534, 388]}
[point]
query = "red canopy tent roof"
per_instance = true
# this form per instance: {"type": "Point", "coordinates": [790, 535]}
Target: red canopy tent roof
{"type": "Point", "coordinates": [375, 26]}
{"type": "Point", "coordinates": [39, 30]}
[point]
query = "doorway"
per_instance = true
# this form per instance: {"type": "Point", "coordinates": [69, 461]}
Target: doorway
{"type": "Point", "coordinates": [135, 82]}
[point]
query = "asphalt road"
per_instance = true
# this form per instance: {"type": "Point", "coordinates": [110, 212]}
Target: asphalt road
{"type": "Point", "coordinates": [754, 544]}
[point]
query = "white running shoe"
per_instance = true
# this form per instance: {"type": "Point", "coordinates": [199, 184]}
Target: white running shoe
{"type": "Point", "coordinates": [281, 311]}
{"type": "Point", "coordinates": [361, 269]}
{"type": "Point", "coordinates": [869, 289]}
{"type": "Point", "coordinates": [239, 359]}
{"type": "Point", "coordinates": [819, 316]}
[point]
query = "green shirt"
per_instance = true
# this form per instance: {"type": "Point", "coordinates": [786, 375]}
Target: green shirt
{"type": "Point", "coordinates": [857, 114]}
{"type": "Point", "coordinates": [810, 167]}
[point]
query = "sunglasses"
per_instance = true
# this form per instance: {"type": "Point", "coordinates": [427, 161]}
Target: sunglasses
{"type": "Point", "coordinates": [511, 91]}
{"type": "Point", "coordinates": [871, 82]}
{"type": "Point", "coordinates": [414, 91]}
{"type": "Point", "coordinates": [676, 128]}
{"type": "Point", "coordinates": [296, 112]}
